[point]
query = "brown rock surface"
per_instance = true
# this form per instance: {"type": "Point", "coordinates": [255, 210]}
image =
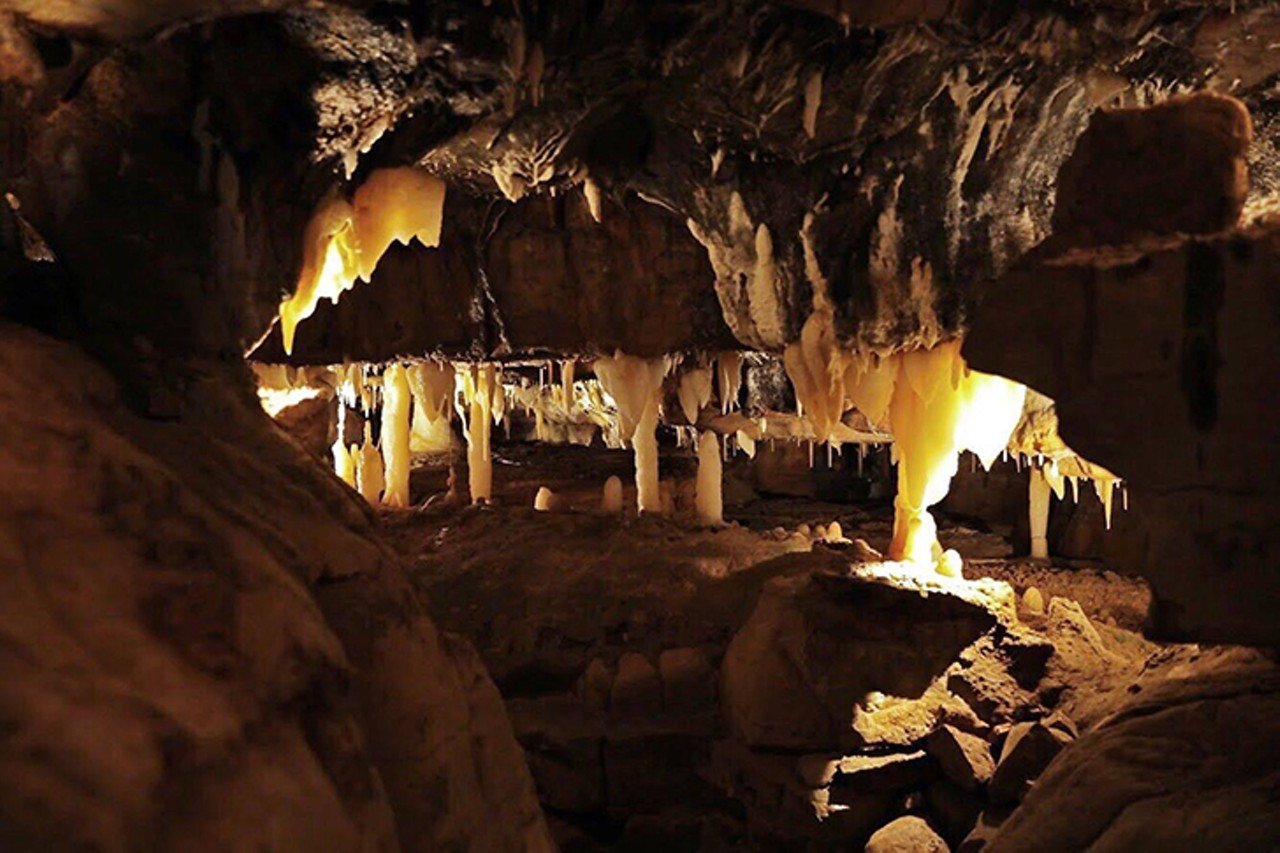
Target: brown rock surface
{"type": "Point", "coordinates": [1192, 764]}
{"type": "Point", "coordinates": [1178, 334]}
{"type": "Point", "coordinates": [206, 644]}
{"type": "Point", "coordinates": [817, 646]}
{"type": "Point", "coordinates": [1175, 167]}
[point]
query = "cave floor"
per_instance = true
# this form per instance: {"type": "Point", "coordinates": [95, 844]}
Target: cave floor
{"type": "Point", "coordinates": [608, 638]}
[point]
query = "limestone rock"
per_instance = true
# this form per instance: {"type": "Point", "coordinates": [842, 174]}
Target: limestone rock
{"type": "Point", "coordinates": [688, 680]}
{"type": "Point", "coordinates": [907, 834]}
{"type": "Point", "coordinates": [199, 606]}
{"type": "Point", "coordinates": [1027, 751]}
{"type": "Point", "coordinates": [964, 758]}
{"type": "Point", "coordinates": [817, 645]}
{"type": "Point", "coordinates": [1194, 767]}
{"type": "Point", "coordinates": [1175, 167]}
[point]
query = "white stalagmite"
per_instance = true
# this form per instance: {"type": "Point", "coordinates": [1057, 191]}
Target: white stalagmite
{"type": "Point", "coordinates": [635, 384]}
{"type": "Point", "coordinates": [728, 379]}
{"type": "Point", "coordinates": [369, 480]}
{"type": "Point", "coordinates": [708, 496]}
{"type": "Point", "coordinates": [544, 499]}
{"type": "Point", "coordinates": [1039, 492]}
{"type": "Point", "coordinates": [476, 384]}
{"type": "Point", "coordinates": [611, 499]}
{"type": "Point", "coordinates": [694, 392]}
{"type": "Point", "coordinates": [395, 436]}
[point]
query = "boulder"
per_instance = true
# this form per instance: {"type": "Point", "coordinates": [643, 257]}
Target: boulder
{"type": "Point", "coordinates": [907, 834]}
{"type": "Point", "coordinates": [818, 645]}
{"type": "Point", "coordinates": [1195, 766]}
{"type": "Point", "coordinates": [637, 690]}
{"type": "Point", "coordinates": [964, 758]}
{"type": "Point", "coordinates": [1027, 751]}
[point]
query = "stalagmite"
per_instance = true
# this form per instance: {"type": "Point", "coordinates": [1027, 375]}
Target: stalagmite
{"type": "Point", "coordinates": [345, 240]}
{"type": "Point", "coordinates": [708, 499]}
{"type": "Point", "coordinates": [694, 392]}
{"type": "Point", "coordinates": [369, 480]}
{"type": "Point", "coordinates": [395, 436]}
{"type": "Point", "coordinates": [728, 380]}
{"type": "Point", "coordinates": [1039, 503]}
{"type": "Point", "coordinates": [544, 500]}
{"type": "Point", "coordinates": [476, 385]}
{"type": "Point", "coordinates": [567, 368]}
{"type": "Point", "coordinates": [635, 384]}
{"type": "Point", "coordinates": [1033, 600]}
{"type": "Point", "coordinates": [611, 499]}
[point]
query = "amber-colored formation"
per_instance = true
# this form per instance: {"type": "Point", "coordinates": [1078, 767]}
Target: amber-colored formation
{"type": "Point", "coordinates": [344, 241]}
{"type": "Point", "coordinates": [635, 384]}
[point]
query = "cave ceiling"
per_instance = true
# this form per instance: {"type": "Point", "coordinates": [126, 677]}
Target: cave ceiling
{"type": "Point", "coordinates": [895, 157]}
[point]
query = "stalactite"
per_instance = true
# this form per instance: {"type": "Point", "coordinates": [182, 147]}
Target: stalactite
{"type": "Point", "coordinates": [708, 496]}
{"type": "Point", "coordinates": [747, 443]}
{"type": "Point", "coordinates": [344, 241]}
{"type": "Point", "coordinates": [343, 463]}
{"type": "Point", "coordinates": [812, 103]}
{"type": "Point", "coordinates": [728, 380]}
{"type": "Point", "coordinates": [395, 436]}
{"type": "Point", "coordinates": [694, 392]}
{"type": "Point", "coordinates": [635, 384]}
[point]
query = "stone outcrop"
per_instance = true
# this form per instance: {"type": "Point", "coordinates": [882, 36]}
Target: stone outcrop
{"type": "Point", "coordinates": [817, 646]}
{"type": "Point", "coordinates": [1194, 764]}
{"type": "Point", "coordinates": [1169, 333]}
{"type": "Point", "coordinates": [207, 645]}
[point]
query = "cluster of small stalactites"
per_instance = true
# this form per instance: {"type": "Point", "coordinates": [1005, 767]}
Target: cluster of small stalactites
{"type": "Point", "coordinates": [928, 404]}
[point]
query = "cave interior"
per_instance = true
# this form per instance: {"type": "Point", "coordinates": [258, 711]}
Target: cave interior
{"type": "Point", "coordinates": [693, 425]}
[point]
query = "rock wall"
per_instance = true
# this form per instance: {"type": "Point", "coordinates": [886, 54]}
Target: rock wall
{"type": "Point", "coordinates": [537, 277]}
{"type": "Point", "coordinates": [1161, 359]}
{"type": "Point", "coordinates": [205, 644]}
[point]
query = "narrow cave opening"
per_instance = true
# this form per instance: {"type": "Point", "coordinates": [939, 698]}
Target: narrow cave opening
{"type": "Point", "coordinates": [626, 426]}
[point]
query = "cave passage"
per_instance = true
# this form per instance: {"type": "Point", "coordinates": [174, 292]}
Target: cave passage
{"type": "Point", "coordinates": [594, 425]}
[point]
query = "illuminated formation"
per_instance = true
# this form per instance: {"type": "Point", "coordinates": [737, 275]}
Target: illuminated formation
{"type": "Point", "coordinates": [479, 391]}
{"type": "Point", "coordinates": [635, 384]}
{"type": "Point", "coordinates": [708, 499]}
{"type": "Point", "coordinates": [345, 240]}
